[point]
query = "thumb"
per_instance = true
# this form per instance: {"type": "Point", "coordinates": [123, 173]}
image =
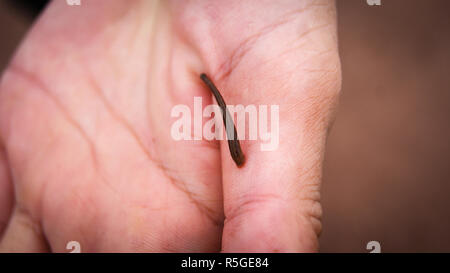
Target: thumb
{"type": "Point", "coordinates": [263, 54]}
{"type": "Point", "coordinates": [272, 203]}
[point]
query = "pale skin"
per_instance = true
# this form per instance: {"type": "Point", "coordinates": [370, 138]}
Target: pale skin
{"type": "Point", "coordinates": [85, 147]}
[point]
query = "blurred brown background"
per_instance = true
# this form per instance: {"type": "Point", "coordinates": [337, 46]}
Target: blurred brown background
{"type": "Point", "coordinates": [387, 175]}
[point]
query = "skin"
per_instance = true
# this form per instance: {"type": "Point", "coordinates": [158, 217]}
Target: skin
{"type": "Point", "coordinates": [85, 148]}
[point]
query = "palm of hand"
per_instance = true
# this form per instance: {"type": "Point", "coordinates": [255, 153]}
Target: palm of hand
{"type": "Point", "coordinates": [86, 128]}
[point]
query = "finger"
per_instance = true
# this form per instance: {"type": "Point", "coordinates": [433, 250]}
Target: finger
{"type": "Point", "coordinates": [271, 204]}
{"type": "Point", "coordinates": [23, 234]}
{"type": "Point", "coordinates": [6, 191]}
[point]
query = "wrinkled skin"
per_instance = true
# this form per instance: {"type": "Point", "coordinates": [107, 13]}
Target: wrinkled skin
{"type": "Point", "coordinates": [85, 119]}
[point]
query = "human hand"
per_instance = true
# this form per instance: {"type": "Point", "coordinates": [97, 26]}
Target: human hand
{"type": "Point", "coordinates": [86, 151]}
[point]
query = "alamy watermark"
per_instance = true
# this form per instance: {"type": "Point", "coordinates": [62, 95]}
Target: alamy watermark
{"type": "Point", "coordinates": [374, 247]}
{"type": "Point", "coordinates": [373, 2]}
{"type": "Point", "coordinates": [73, 2]}
{"type": "Point", "coordinates": [258, 123]}
{"type": "Point", "coordinates": [74, 246]}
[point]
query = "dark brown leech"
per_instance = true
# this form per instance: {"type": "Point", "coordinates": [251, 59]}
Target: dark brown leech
{"type": "Point", "coordinates": [233, 141]}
